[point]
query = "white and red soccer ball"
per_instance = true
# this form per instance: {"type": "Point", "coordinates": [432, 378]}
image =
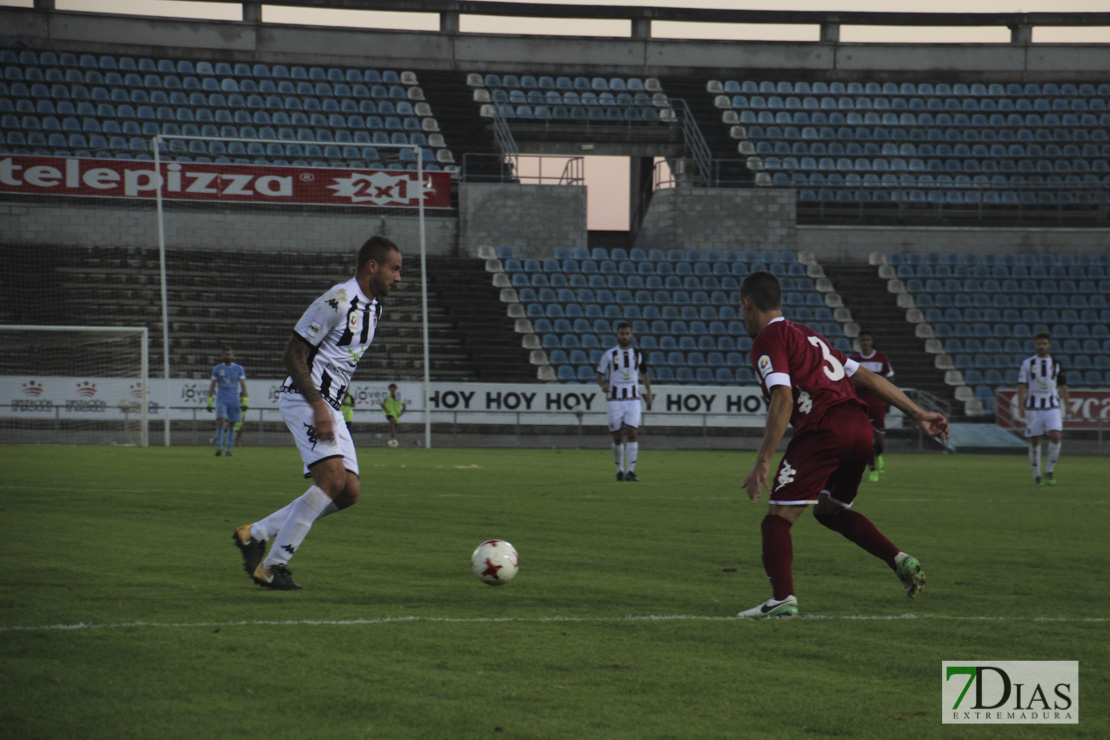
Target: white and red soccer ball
{"type": "Point", "coordinates": [495, 562]}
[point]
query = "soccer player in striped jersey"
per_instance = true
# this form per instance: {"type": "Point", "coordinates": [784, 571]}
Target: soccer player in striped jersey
{"type": "Point", "coordinates": [619, 374]}
{"type": "Point", "coordinates": [1043, 396]}
{"type": "Point", "coordinates": [327, 343]}
{"type": "Point", "coordinates": [878, 363]}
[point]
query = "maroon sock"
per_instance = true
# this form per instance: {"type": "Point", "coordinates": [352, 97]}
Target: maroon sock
{"type": "Point", "coordinates": [859, 529]}
{"type": "Point", "coordinates": [778, 555]}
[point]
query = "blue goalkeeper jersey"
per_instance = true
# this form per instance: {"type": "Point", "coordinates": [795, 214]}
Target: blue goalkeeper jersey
{"type": "Point", "coordinates": [227, 381]}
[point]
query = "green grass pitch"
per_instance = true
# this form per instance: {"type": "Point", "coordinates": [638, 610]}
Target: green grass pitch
{"type": "Point", "coordinates": [125, 613]}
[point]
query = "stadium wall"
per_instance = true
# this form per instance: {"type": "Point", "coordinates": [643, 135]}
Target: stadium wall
{"type": "Point", "coordinates": [534, 219]}
{"type": "Point", "coordinates": [857, 242]}
{"type": "Point", "coordinates": [706, 218]}
{"type": "Point", "coordinates": [122, 224]}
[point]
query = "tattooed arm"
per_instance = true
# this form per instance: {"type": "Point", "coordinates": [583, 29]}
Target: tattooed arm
{"type": "Point", "coordinates": [296, 363]}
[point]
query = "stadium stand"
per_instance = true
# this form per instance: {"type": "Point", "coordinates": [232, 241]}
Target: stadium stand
{"type": "Point", "coordinates": [596, 100]}
{"type": "Point", "coordinates": [984, 310]}
{"type": "Point", "coordinates": [108, 105]}
{"type": "Point", "coordinates": [208, 307]}
{"type": "Point", "coordinates": [681, 304]}
{"type": "Point", "coordinates": [962, 145]}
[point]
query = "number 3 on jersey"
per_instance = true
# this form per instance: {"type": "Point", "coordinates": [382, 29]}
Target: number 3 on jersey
{"type": "Point", "coordinates": [835, 370]}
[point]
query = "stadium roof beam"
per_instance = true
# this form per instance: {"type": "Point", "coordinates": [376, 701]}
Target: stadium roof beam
{"type": "Point", "coordinates": [1020, 24]}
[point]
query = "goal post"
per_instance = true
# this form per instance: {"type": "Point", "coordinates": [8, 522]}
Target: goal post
{"type": "Point", "coordinates": [323, 197]}
{"type": "Point", "coordinates": [74, 385]}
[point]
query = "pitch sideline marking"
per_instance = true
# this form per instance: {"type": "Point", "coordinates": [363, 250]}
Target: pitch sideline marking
{"type": "Point", "coordinates": [521, 620]}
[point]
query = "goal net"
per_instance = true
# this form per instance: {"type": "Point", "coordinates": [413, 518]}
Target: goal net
{"type": "Point", "coordinates": [74, 385]}
{"type": "Point", "coordinates": [251, 232]}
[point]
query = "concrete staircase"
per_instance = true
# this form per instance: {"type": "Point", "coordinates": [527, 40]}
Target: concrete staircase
{"type": "Point", "coordinates": [465, 131]}
{"type": "Point", "coordinates": [876, 310]}
{"type": "Point", "coordinates": [464, 290]}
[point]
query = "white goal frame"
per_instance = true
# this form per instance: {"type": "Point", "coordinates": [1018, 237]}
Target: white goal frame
{"type": "Point", "coordinates": [144, 363]}
{"type": "Point", "coordinates": [156, 149]}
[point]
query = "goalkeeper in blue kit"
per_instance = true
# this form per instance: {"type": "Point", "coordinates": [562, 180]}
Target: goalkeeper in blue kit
{"type": "Point", "coordinates": [227, 396]}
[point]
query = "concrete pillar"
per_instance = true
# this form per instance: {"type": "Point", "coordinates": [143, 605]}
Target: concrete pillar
{"type": "Point", "coordinates": [641, 29]}
{"type": "Point", "coordinates": [252, 13]}
{"type": "Point", "coordinates": [830, 32]}
{"type": "Point", "coordinates": [46, 5]}
{"type": "Point", "coordinates": [1021, 34]}
{"type": "Point", "coordinates": [448, 22]}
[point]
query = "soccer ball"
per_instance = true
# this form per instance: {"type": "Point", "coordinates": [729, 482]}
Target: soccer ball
{"type": "Point", "coordinates": [495, 562]}
{"type": "Point", "coordinates": [392, 443]}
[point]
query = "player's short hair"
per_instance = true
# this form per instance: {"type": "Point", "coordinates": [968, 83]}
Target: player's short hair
{"type": "Point", "coordinates": [392, 386]}
{"type": "Point", "coordinates": [623, 325]}
{"type": "Point", "coordinates": [867, 333]}
{"type": "Point", "coordinates": [1042, 335]}
{"type": "Point", "coordinates": [375, 248]}
{"type": "Point", "coordinates": [764, 290]}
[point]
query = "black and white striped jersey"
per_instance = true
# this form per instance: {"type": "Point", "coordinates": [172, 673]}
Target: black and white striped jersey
{"type": "Point", "coordinates": [1042, 377]}
{"type": "Point", "coordinates": [339, 326]}
{"type": "Point", "coordinates": [623, 368]}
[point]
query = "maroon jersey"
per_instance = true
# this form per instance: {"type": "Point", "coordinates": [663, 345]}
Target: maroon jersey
{"type": "Point", "coordinates": [877, 363]}
{"type": "Point", "coordinates": [792, 354]}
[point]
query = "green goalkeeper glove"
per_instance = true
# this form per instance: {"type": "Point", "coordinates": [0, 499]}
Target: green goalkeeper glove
{"type": "Point", "coordinates": [245, 404]}
{"type": "Point", "coordinates": [211, 403]}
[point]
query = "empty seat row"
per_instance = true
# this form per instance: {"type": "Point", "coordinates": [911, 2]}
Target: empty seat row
{"type": "Point", "coordinates": [969, 201]}
{"type": "Point", "coordinates": [944, 330]}
{"type": "Point", "coordinates": [575, 113]}
{"type": "Point", "coordinates": [547, 82]}
{"type": "Point", "coordinates": [1026, 259]}
{"type": "Point", "coordinates": [648, 267]}
{"type": "Point", "coordinates": [210, 102]}
{"type": "Point", "coordinates": [910, 89]}
{"type": "Point", "coordinates": [29, 58]}
{"type": "Point", "coordinates": [909, 106]}
{"type": "Point", "coordinates": [619, 254]}
{"type": "Point", "coordinates": [859, 133]}
{"type": "Point", "coordinates": [1021, 349]}
{"type": "Point", "coordinates": [69, 85]}
{"type": "Point", "coordinates": [987, 382]}
{"type": "Point", "coordinates": [1001, 272]}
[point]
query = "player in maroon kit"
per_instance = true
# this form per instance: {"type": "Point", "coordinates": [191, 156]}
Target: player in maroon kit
{"type": "Point", "coordinates": [810, 385]}
{"type": "Point", "coordinates": [879, 364]}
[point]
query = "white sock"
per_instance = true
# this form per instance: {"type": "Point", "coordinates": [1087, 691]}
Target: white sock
{"type": "Point", "coordinates": [305, 511]}
{"type": "Point", "coordinates": [618, 455]}
{"type": "Point", "coordinates": [1035, 459]}
{"type": "Point", "coordinates": [1053, 453]}
{"type": "Point", "coordinates": [632, 449]}
{"type": "Point", "coordinates": [264, 529]}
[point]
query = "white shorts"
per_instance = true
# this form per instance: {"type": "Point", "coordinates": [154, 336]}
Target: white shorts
{"type": "Point", "coordinates": [624, 414]}
{"type": "Point", "coordinates": [298, 416]}
{"type": "Point", "coordinates": [1039, 422]}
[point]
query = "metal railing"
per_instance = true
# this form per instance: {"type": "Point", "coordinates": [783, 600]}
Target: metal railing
{"type": "Point", "coordinates": [525, 169]}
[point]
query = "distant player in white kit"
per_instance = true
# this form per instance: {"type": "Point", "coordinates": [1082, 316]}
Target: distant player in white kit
{"type": "Point", "coordinates": [327, 343]}
{"type": "Point", "coordinates": [619, 374]}
{"type": "Point", "coordinates": [1043, 395]}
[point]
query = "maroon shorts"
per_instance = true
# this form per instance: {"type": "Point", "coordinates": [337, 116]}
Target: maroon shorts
{"type": "Point", "coordinates": [830, 457]}
{"type": "Point", "coordinates": [877, 411]}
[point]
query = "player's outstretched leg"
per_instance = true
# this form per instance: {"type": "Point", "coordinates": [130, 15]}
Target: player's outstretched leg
{"type": "Point", "coordinates": [909, 573]}
{"type": "Point", "coordinates": [859, 529]}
